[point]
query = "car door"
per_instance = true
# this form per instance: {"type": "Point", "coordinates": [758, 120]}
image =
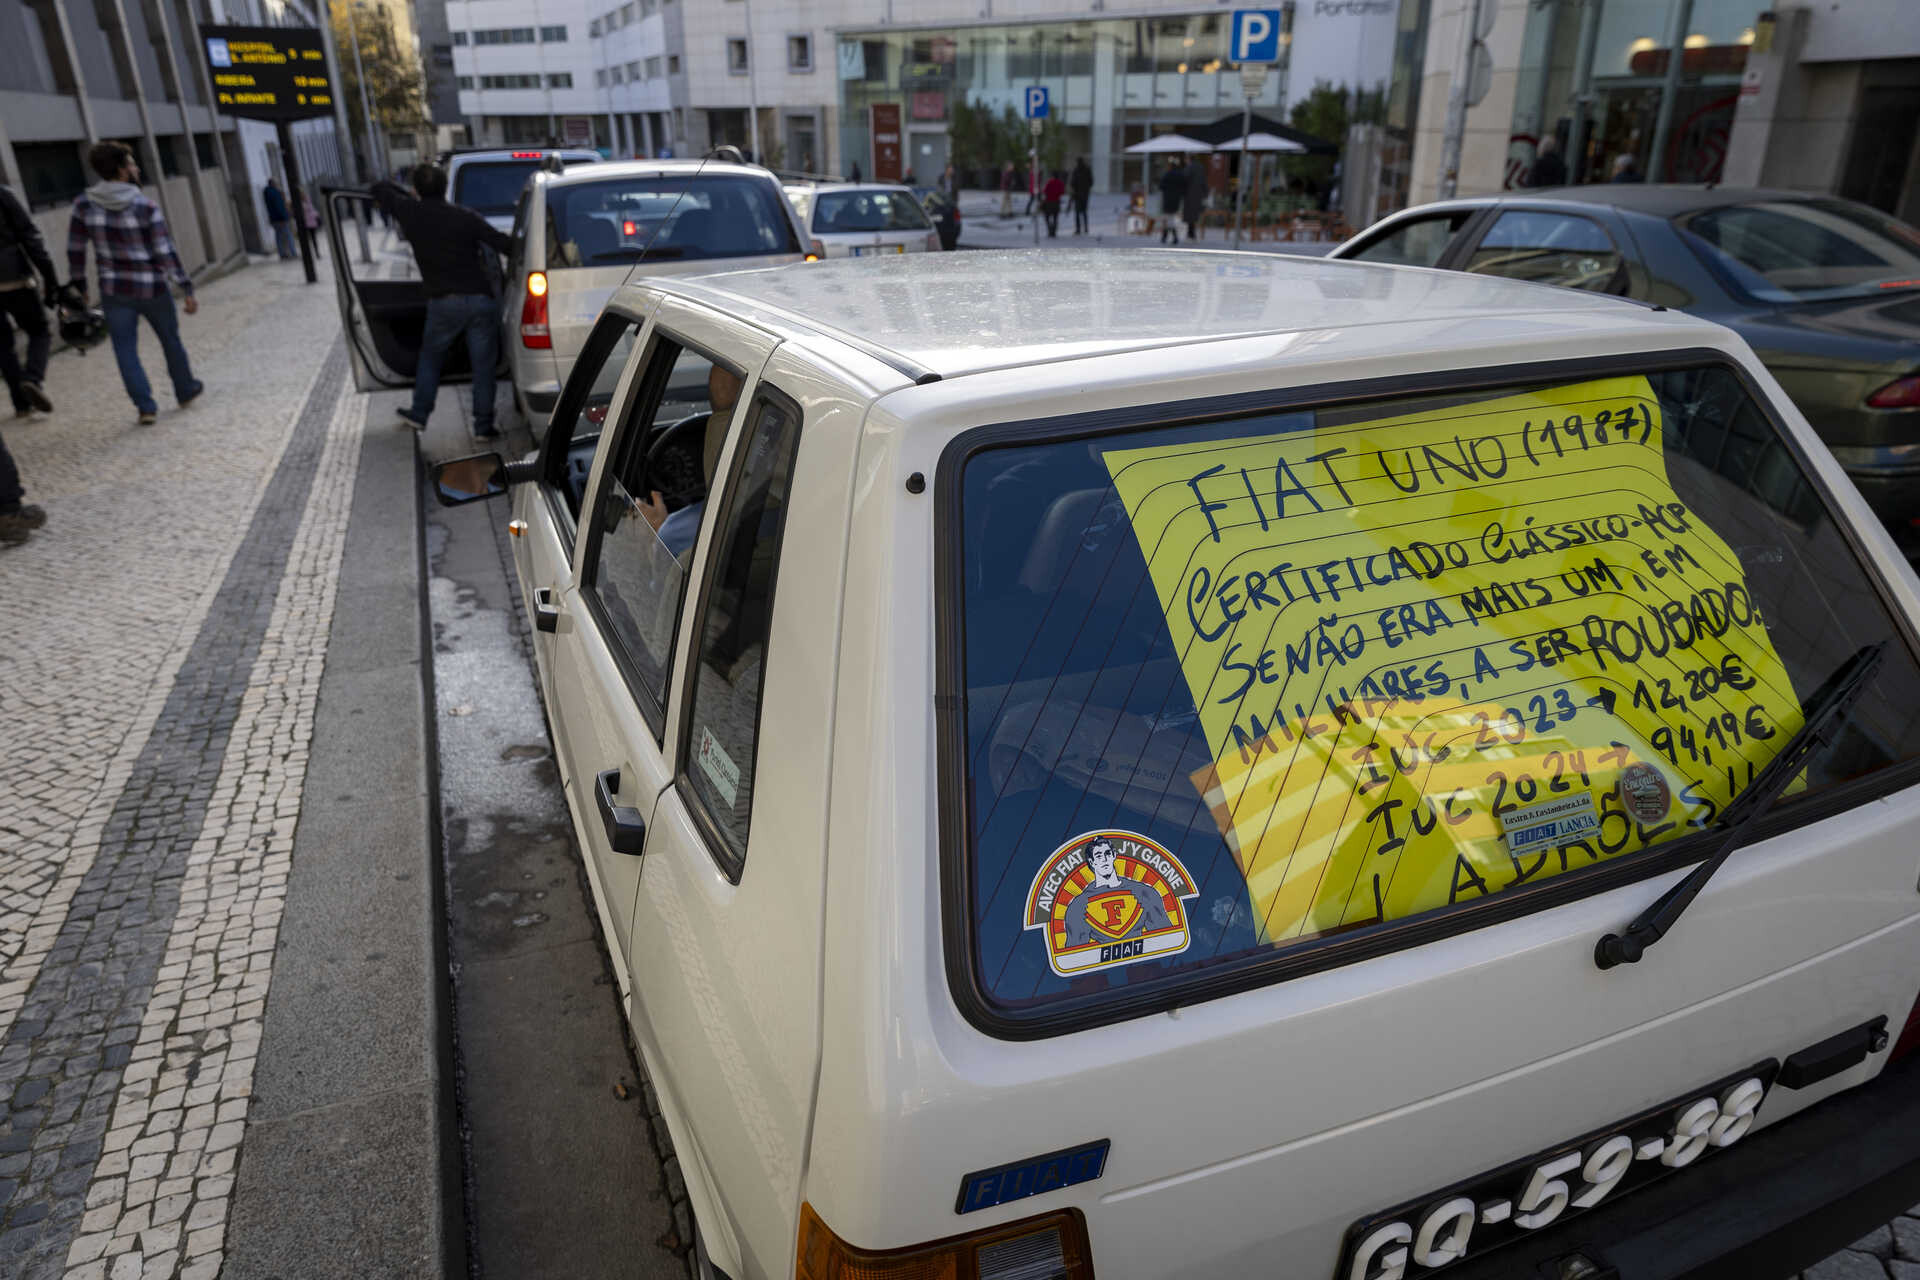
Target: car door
{"type": "Point", "coordinates": [383, 307]}
{"type": "Point", "coordinates": [1549, 246]}
{"type": "Point", "coordinates": [727, 926]}
{"type": "Point", "coordinates": [547, 513]}
{"type": "Point", "coordinates": [621, 621]}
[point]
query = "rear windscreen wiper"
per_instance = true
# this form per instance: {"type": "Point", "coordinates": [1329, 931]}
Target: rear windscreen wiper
{"type": "Point", "coordinates": [1824, 712]}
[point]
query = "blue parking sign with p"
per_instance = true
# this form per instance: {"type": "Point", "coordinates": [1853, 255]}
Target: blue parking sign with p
{"type": "Point", "coordinates": [1255, 36]}
{"type": "Point", "coordinates": [1036, 102]}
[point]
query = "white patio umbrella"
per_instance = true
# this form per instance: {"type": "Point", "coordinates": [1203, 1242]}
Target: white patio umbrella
{"type": "Point", "coordinates": [1168, 143]}
{"type": "Point", "coordinates": [1259, 142]}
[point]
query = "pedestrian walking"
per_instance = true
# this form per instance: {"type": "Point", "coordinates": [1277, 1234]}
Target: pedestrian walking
{"type": "Point", "coordinates": [134, 255]}
{"type": "Point", "coordinates": [1050, 197]}
{"type": "Point", "coordinates": [279, 218]}
{"type": "Point", "coordinates": [1173, 194]}
{"type": "Point", "coordinates": [1081, 185]}
{"type": "Point", "coordinates": [23, 254]}
{"type": "Point", "coordinates": [18, 518]}
{"type": "Point", "coordinates": [310, 217]}
{"type": "Point", "coordinates": [1006, 190]}
{"type": "Point", "coordinates": [1626, 168]}
{"type": "Point", "coordinates": [1548, 169]}
{"type": "Point", "coordinates": [854, 175]}
{"type": "Point", "coordinates": [950, 184]}
{"type": "Point", "coordinates": [1193, 202]}
{"type": "Point", "coordinates": [447, 240]}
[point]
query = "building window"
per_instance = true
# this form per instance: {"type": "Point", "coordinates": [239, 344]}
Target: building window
{"type": "Point", "coordinates": [626, 13]}
{"type": "Point", "coordinates": [593, 29]}
{"type": "Point", "coordinates": [633, 72]}
{"type": "Point", "coordinates": [600, 79]}
{"type": "Point", "coordinates": [559, 79]}
{"type": "Point", "coordinates": [653, 67]}
{"type": "Point", "coordinates": [459, 37]}
{"type": "Point", "coordinates": [673, 64]}
{"type": "Point", "coordinates": [504, 35]}
{"type": "Point", "coordinates": [616, 76]}
{"type": "Point", "coordinates": [510, 82]}
{"type": "Point", "coordinates": [799, 53]}
{"type": "Point", "coordinates": [463, 82]}
{"type": "Point", "coordinates": [553, 35]}
{"type": "Point", "coordinates": [737, 56]}
{"type": "Point", "coordinates": [443, 55]}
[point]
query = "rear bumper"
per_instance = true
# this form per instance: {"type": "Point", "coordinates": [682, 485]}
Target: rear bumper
{"type": "Point", "coordinates": [1776, 1203]}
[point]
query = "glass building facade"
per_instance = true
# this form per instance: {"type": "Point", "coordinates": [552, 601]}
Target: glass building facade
{"type": "Point", "coordinates": [1614, 57]}
{"type": "Point", "coordinates": [1111, 82]}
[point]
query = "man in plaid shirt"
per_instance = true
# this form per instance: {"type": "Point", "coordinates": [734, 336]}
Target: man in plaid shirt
{"type": "Point", "coordinates": [137, 263]}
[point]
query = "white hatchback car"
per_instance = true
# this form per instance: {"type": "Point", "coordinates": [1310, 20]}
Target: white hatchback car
{"type": "Point", "coordinates": [1181, 765]}
{"type": "Point", "coordinates": [853, 220]}
{"type": "Point", "coordinates": [578, 233]}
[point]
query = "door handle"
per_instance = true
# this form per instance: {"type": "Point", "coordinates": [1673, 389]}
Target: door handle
{"type": "Point", "coordinates": [626, 829]}
{"type": "Point", "coordinates": [546, 614]}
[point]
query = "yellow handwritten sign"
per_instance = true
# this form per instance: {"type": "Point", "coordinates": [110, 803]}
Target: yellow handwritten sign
{"type": "Point", "coordinates": [1443, 654]}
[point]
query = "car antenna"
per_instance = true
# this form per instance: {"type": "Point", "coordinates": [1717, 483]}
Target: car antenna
{"type": "Point", "coordinates": [672, 209]}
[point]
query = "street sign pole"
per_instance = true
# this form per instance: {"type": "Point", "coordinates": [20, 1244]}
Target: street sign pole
{"type": "Point", "coordinates": [305, 236]}
{"type": "Point", "coordinates": [1033, 180]}
{"type": "Point", "coordinates": [1254, 38]}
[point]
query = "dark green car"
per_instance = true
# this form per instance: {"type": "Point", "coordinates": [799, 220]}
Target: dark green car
{"type": "Point", "coordinates": [1826, 292]}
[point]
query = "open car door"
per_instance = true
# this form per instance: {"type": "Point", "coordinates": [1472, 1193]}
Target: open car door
{"type": "Point", "coordinates": [383, 304]}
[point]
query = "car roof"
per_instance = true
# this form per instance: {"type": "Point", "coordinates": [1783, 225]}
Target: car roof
{"type": "Point", "coordinates": [1659, 200]}
{"type": "Point", "coordinates": [606, 169]}
{"type": "Point", "coordinates": [860, 186]}
{"type": "Point", "coordinates": [947, 315]}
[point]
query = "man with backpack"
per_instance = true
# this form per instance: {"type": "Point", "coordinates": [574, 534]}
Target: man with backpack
{"type": "Point", "coordinates": [23, 254]}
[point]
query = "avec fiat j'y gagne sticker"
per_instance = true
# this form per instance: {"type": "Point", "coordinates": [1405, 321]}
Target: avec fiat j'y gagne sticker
{"type": "Point", "coordinates": [1644, 793]}
{"type": "Point", "coordinates": [1108, 898]}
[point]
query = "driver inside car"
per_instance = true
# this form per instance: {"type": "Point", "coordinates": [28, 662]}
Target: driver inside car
{"type": "Point", "coordinates": [678, 529]}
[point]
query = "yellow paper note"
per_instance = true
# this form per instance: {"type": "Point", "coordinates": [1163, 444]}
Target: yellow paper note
{"type": "Point", "coordinates": [1443, 654]}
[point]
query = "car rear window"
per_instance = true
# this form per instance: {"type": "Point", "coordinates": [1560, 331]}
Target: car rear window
{"type": "Point", "coordinates": [669, 218]}
{"type": "Point", "coordinates": [836, 211]}
{"type": "Point", "coordinates": [1793, 250]}
{"type": "Point", "coordinates": [1236, 689]}
{"type": "Point", "coordinates": [492, 186]}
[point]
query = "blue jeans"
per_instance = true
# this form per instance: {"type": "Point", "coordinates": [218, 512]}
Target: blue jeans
{"type": "Point", "coordinates": [283, 240]}
{"type": "Point", "coordinates": [123, 326]}
{"type": "Point", "coordinates": [477, 316]}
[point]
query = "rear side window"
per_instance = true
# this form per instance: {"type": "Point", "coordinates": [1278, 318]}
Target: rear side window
{"type": "Point", "coordinates": [1236, 691]}
{"type": "Point", "coordinates": [1549, 248]}
{"type": "Point", "coordinates": [867, 211]}
{"type": "Point", "coordinates": [619, 221]}
{"type": "Point", "coordinates": [1416, 243]}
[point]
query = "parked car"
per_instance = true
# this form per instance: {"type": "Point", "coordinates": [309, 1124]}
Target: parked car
{"type": "Point", "coordinates": [1827, 292]}
{"type": "Point", "coordinates": [489, 181]}
{"type": "Point", "coordinates": [1191, 765]}
{"type": "Point", "coordinates": [578, 234]}
{"type": "Point", "coordinates": [853, 219]}
{"type": "Point", "coordinates": [945, 212]}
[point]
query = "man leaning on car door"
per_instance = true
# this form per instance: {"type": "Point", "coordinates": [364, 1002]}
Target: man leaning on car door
{"type": "Point", "coordinates": [447, 240]}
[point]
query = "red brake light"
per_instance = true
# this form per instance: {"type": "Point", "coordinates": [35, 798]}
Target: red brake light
{"type": "Point", "coordinates": [628, 228]}
{"type": "Point", "coordinates": [526, 155]}
{"type": "Point", "coordinates": [534, 333]}
{"type": "Point", "coordinates": [1903, 394]}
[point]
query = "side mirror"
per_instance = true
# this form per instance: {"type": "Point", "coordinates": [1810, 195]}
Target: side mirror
{"type": "Point", "coordinates": [474, 479]}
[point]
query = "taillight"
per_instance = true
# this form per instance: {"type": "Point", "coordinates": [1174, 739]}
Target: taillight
{"type": "Point", "coordinates": [1909, 1039]}
{"type": "Point", "coordinates": [1053, 1247]}
{"type": "Point", "coordinates": [628, 228]}
{"type": "Point", "coordinates": [817, 252]}
{"type": "Point", "coordinates": [1904, 394]}
{"type": "Point", "coordinates": [526, 155]}
{"type": "Point", "coordinates": [534, 332]}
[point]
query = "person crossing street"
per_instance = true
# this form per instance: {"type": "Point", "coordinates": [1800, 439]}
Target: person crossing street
{"type": "Point", "coordinates": [447, 240]}
{"type": "Point", "coordinates": [137, 263]}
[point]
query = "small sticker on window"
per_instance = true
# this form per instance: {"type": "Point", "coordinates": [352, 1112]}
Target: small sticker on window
{"type": "Point", "coordinates": [1550, 824]}
{"type": "Point", "coordinates": [719, 767]}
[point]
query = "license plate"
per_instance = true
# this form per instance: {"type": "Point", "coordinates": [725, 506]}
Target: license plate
{"type": "Point", "coordinates": [861, 250]}
{"type": "Point", "coordinates": [1466, 1220]}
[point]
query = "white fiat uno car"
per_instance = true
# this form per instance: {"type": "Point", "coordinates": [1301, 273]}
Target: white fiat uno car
{"type": "Point", "coordinates": [1143, 765]}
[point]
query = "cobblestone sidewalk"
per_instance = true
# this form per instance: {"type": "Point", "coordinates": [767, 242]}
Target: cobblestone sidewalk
{"type": "Point", "coordinates": [158, 661]}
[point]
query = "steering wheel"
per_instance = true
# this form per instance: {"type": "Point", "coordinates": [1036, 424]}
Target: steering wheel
{"type": "Point", "coordinates": [673, 461]}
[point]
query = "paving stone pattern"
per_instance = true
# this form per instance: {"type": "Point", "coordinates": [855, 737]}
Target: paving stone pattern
{"type": "Point", "coordinates": [191, 568]}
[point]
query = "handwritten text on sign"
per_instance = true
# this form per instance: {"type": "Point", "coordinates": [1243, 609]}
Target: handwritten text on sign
{"type": "Point", "coordinates": [1399, 632]}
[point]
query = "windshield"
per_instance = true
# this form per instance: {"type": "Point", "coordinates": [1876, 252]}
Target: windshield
{"type": "Point", "coordinates": [1798, 250]}
{"type": "Point", "coordinates": [623, 220]}
{"type": "Point", "coordinates": [876, 210]}
{"type": "Point", "coordinates": [1239, 688]}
